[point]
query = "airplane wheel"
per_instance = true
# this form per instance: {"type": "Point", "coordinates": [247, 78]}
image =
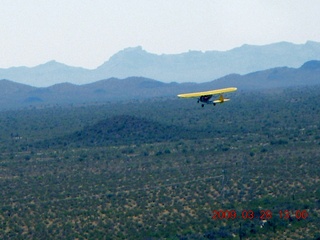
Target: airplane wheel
{"type": "Point", "coordinates": [202, 105]}
{"type": "Point", "coordinates": [214, 104]}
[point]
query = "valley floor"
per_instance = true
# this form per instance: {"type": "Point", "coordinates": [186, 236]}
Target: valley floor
{"type": "Point", "coordinates": [256, 160]}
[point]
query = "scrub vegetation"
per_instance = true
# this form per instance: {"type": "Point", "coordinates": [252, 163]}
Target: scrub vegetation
{"type": "Point", "coordinates": [157, 169]}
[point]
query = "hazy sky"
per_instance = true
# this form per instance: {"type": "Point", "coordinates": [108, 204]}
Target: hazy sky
{"type": "Point", "coordinates": [87, 33]}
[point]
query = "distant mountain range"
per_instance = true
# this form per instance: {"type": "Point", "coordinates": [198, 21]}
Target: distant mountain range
{"type": "Point", "coordinates": [192, 66]}
{"type": "Point", "coordinates": [14, 95]}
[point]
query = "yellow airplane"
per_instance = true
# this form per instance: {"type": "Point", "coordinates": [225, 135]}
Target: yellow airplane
{"type": "Point", "coordinates": [205, 97]}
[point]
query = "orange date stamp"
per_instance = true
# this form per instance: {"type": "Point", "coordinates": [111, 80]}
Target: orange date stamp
{"type": "Point", "coordinates": [261, 214]}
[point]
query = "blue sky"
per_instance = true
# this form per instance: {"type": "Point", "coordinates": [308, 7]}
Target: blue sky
{"type": "Point", "coordinates": [86, 33]}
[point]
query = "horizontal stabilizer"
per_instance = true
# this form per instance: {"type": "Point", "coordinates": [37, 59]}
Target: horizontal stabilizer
{"type": "Point", "coordinates": [221, 101]}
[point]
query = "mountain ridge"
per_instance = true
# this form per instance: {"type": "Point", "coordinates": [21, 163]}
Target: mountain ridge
{"type": "Point", "coordinates": [14, 94]}
{"type": "Point", "coordinates": [192, 66]}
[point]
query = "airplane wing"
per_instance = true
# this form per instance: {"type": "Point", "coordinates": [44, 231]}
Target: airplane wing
{"type": "Point", "coordinates": [207, 93]}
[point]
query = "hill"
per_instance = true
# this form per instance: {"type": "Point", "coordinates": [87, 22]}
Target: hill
{"type": "Point", "coordinates": [192, 66]}
{"type": "Point", "coordinates": [122, 130]}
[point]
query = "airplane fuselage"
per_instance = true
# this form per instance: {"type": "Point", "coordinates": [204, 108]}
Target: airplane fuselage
{"type": "Point", "coordinates": [205, 99]}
